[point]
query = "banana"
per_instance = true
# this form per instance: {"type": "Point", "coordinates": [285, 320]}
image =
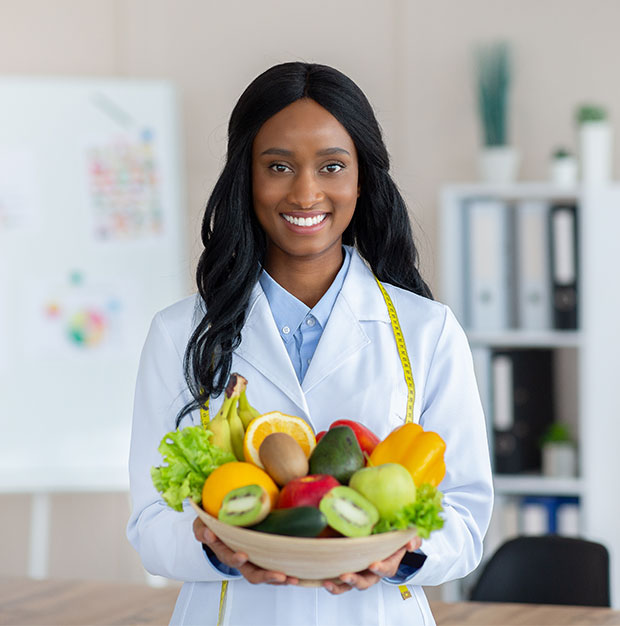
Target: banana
{"type": "Point", "coordinates": [220, 427]}
{"type": "Point", "coordinates": [236, 431]}
{"type": "Point", "coordinates": [228, 426]}
{"type": "Point", "coordinates": [246, 411]}
{"type": "Point", "coordinates": [221, 434]}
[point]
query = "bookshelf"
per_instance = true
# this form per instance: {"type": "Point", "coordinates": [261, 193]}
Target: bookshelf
{"type": "Point", "coordinates": [586, 386]}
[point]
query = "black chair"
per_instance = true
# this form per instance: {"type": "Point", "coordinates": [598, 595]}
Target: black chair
{"type": "Point", "coordinates": [546, 570]}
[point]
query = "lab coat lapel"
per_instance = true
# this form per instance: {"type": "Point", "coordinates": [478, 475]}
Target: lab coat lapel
{"type": "Point", "coordinates": [344, 336]}
{"type": "Point", "coordinates": [262, 347]}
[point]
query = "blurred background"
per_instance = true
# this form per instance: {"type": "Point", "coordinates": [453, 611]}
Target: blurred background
{"type": "Point", "coordinates": [162, 77]}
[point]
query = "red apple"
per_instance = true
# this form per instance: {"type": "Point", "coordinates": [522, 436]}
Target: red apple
{"type": "Point", "coordinates": [365, 437]}
{"type": "Point", "coordinates": [306, 491]}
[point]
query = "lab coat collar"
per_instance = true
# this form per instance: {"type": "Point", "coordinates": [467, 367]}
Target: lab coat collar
{"type": "Point", "coordinates": [360, 300]}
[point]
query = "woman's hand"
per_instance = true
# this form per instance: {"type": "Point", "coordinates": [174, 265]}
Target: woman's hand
{"type": "Point", "coordinates": [239, 560]}
{"type": "Point", "coordinates": [374, 573]}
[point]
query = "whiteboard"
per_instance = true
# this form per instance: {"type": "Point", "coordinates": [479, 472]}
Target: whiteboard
{"type": "Point", "coordinates": [91, 246]}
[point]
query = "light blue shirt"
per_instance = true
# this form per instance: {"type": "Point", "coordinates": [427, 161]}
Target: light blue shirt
{"type": "Point", "coordinates": [301, 327]}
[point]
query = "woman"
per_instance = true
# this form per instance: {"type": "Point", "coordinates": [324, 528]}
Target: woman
{"type": "Point", "coordinates": [302, 216]}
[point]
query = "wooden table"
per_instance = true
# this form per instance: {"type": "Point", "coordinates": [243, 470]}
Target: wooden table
{"type": "Point", "coordinates": [501, 614]}
{"type": "Point", "coordinates": [25, 602]}
{"type": "Point", "coordinates": [72, 603]}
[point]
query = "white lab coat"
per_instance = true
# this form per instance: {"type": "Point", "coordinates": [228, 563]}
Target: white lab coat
{"type": "Point", "coordinates": [355, 373]}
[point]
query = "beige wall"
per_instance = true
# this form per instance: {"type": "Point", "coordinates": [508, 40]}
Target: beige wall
{"type": "Point", "coordinates": [412, 58]}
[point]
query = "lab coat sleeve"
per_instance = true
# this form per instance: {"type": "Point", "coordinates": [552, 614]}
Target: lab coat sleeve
{"type": "Point", "coordinates": [451, 407]}
{"type": "Point", "coordinates": [163, 537]}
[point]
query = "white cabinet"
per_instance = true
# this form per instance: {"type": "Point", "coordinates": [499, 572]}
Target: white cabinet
{"type": "Point", "coordinates": [586, 387]}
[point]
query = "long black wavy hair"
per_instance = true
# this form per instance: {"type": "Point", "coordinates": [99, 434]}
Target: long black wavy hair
{"type": "Point", "coordinates": [234, 242]}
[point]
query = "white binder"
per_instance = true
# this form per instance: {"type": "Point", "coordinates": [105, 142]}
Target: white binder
{"type": "Point", "coordinates": [489, 265]}
{"type": "Point", "coordinates": [533, 265]}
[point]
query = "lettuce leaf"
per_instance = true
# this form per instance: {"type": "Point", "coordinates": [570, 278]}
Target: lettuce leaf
{"type": "Point", "coordinates": [190, 457]}
{"type": "Point", "coordinates": [424, 514]}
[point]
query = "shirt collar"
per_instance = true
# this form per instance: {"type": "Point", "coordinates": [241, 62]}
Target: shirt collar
{"type": "Point", "coordinates": [289, 312]}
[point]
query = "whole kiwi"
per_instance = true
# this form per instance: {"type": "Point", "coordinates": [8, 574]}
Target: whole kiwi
{"type": "Point", "coordinates": [283, 458]}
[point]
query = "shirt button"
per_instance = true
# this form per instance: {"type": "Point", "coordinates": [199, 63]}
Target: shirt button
{"type": "Point", "coordinates": [309, 361]}
{"type": "Point", "coordinates": [286, 330]}
{"type": "Point", "coordinates": [310, 321]}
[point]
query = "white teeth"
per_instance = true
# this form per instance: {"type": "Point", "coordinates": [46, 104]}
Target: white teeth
{"type": "Point", "coordinates": [304, 221]}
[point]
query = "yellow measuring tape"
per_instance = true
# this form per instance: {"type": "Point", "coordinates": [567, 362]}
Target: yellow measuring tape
{"type": "Point", "coordinates": [402, 351]}
{"type": "Point", "coordinates": [404, 359]}
{"type": "Point", "coordinates": [405, 593]}
{"type": "Point", "coordinates": [220, 615]}
{"type": "Point", "coordinates": [205, 418]}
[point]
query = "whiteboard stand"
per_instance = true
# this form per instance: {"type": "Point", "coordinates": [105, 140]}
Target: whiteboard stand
{"type": "Point", "coordinates": [38, 555]}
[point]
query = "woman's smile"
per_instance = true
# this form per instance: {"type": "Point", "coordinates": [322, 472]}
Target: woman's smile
{"type": "Point", "coordinates": [304, 222]}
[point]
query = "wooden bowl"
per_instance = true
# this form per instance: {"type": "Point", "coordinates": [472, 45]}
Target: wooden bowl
{"type": "Point", "coordinates": [309, 559]}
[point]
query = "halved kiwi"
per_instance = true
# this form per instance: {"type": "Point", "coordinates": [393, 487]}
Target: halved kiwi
{"type": "Point", "coordinates": [245, 506]}
{"type": "Point", "coordinates": [349, 512]}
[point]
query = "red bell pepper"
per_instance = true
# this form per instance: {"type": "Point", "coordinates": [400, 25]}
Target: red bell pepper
{"type": "Point", "coordinates": [365, 437]}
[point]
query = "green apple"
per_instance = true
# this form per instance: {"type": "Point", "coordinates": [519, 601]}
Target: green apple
{"type": "Point", "coordinates": [389, 487]}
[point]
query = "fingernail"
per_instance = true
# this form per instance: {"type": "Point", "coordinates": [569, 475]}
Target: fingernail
{"type": "Point", "coordinates": [375, 570]}
{"type": "Point", "coordinates": [329, 587]}
{"type": "Point", "coordinates": [348, 579]}
{"type": "Point", "coordinates": [208, 536]}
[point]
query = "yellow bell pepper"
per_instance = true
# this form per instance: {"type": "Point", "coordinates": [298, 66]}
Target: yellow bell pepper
{"type": "Point", "coordinates": [420, 451]}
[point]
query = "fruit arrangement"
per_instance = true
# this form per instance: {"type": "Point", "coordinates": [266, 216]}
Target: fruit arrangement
{"type": "Point", "coordinates": [269, 473]}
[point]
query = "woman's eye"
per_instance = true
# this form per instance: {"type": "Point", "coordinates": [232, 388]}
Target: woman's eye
{"type": "Point", "coordinates": [332, 168]}
{"type": "Point", "coordinates": [279, 167]}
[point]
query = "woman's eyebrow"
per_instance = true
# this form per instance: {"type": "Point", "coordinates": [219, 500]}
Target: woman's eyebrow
{"type": "Point", "coordinates": [324, 152]}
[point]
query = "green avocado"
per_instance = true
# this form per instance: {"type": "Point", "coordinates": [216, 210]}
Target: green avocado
{"type": "Point", "coordinates": [338, 454]}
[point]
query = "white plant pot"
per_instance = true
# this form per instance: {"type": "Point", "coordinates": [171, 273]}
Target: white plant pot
{"type": "Point", "coordinates": [564, 171]}
{"type": "Point", "coordinates": [559, 460]}
{"type": "Point", "coordinates": [595, 145]}
{"type": "Point", "coordinates": [499, 164]}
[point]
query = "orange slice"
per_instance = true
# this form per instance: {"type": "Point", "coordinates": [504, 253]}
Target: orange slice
{"type": "Point", "coordinates": [276, 422]}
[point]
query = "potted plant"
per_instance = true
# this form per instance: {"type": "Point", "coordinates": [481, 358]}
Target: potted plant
{"type": "Point", "coordinates": [498, 159]}
{"type": "Point", "coordinates": [559, 455]}
{"type": "Point", "coordinates": [563, 168]}
{"type": "Point", "coordinates": [595, 144]}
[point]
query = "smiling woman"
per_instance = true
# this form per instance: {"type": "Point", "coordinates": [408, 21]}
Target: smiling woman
{"type": "Point", "coordinates": [302, 224]}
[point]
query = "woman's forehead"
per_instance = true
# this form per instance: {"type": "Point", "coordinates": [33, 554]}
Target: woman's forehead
{"type": "Point", "coordinates": [303, 122]}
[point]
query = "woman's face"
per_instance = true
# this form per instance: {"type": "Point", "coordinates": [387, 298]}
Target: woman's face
{"type": "Point", "coordinates": [304, 182]}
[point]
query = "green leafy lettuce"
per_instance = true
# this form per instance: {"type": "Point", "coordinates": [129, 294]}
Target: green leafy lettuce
{"type": "Point", "coordinates": [424, 514]}
{"type": "Point", "coordinates": [190, 457]}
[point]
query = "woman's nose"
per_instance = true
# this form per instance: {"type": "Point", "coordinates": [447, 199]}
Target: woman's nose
{"type": "Point", "coordinates": [305, 190]}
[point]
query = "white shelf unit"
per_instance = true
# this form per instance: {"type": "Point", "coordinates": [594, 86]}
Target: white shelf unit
{"type": "Point", "coordinates": [594, 347]}
{"type": "Point", "coordinates": [524, 485]}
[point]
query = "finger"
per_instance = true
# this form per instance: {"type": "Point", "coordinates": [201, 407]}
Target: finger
{"type": "Point", "coordinates": [336, 588]}
{"type": "Point", "coordinates": [222, 551]}
{"type": "Point", "coordinates": [257, 575]}
{"type": "Point", "coordinates": [361, 580]}
{"type": "Point", "coordinates": [414, 544]}
{"type": "Point", "coordinates": [389, 566]}
{"type": "Point", "coordinates": [198, 527]}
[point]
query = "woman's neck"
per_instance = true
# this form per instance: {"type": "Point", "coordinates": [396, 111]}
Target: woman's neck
{"type": "Point", "coordinates": [307, 279]}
